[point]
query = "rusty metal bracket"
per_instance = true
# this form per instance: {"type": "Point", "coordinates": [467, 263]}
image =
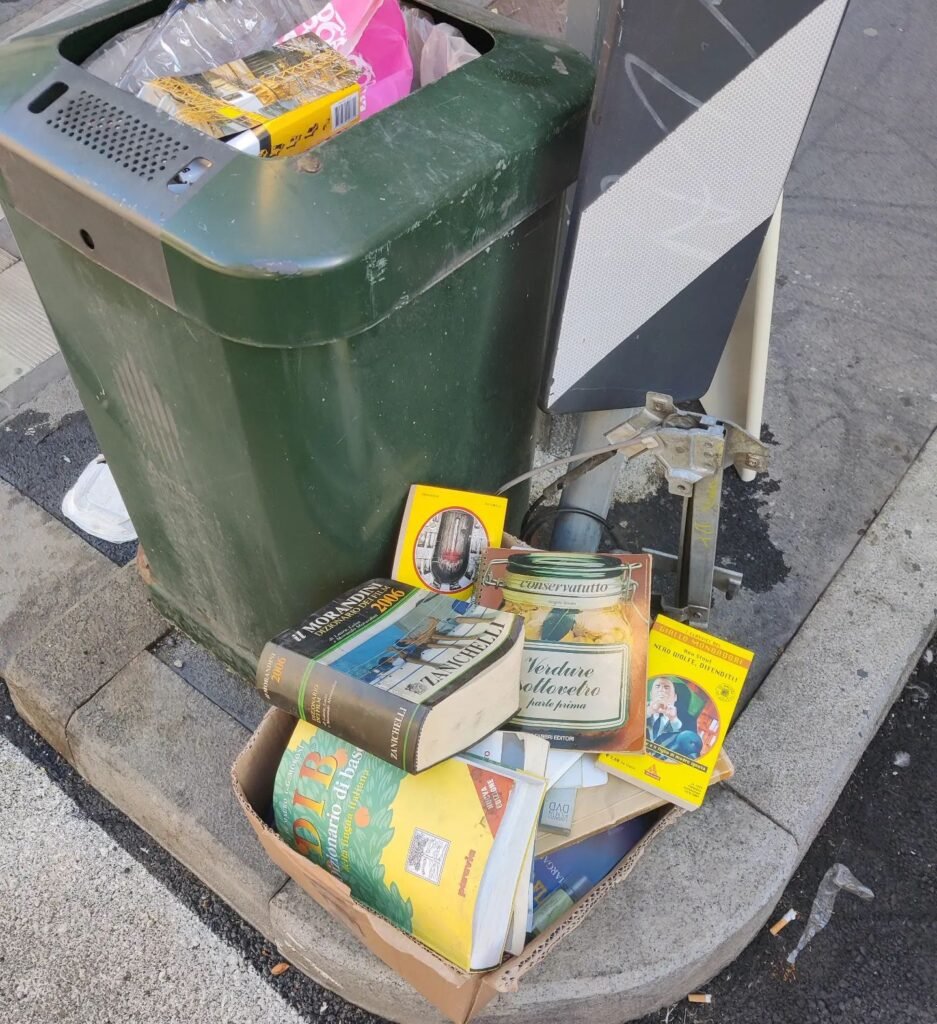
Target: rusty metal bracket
{"type": "Point", "coordinates": [694, 450]}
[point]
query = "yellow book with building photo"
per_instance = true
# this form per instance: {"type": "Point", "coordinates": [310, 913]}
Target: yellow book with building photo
{"type": "Point", "coordinates": [443, 535]}
{"type": "Point", "coordinates": [694, 681]}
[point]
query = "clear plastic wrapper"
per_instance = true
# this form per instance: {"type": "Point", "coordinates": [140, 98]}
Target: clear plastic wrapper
{"type": "Point", "coordinates": [445, 49]}
{"type": "Point", "coordinates": [837, 877]}
{"type": "Point", "coordinates": [435, 49]}
{"type": "Point", "coordinates": [193, 36]}
{"type": "Point", "coordinates": [110, 61]}
{"type": "Point", "coordinates": [419, 25]}
{"type": "Point", "coordinates": [275, 102]}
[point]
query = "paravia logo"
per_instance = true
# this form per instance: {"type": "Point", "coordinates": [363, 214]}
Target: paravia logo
{"type": "Point", "coordinates": [652, 773]}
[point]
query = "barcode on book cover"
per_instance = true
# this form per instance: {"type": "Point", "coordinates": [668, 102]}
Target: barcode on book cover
{"type": "Point", "coordinates": [427, 855]}
{"type": "Point", "coordinates": [344, 112]}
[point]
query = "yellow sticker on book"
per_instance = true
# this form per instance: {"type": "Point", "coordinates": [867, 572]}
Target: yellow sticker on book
{"type": "Point", "coordinates": [306, 126]}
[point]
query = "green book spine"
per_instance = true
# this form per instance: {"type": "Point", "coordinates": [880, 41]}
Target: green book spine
{"type": "Point", "coordinates": [376, 720]}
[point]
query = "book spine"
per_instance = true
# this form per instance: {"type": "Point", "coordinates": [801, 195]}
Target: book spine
{"type": "Point", "coordinates": [350, 613]}
{"type": "Point", "coordinates": [373, 719]}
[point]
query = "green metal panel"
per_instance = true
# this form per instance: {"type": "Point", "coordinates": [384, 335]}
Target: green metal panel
{"type": "Point", "coordinates": [270, 362]}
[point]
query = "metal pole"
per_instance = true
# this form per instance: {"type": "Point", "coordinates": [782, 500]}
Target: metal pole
{"type": "Point", "coordinates": [697, 561]}
{"type": "Point", "coordinates": [572, 532]}
{"type": "Point", "coordinates": [593, 491]}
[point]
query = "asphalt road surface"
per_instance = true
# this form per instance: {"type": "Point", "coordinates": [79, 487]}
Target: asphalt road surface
{"type": "Point", "coordinates": [875, 960]}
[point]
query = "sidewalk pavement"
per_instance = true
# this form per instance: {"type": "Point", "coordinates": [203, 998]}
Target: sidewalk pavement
{"type": "Point", "coordinates": [90, 935]}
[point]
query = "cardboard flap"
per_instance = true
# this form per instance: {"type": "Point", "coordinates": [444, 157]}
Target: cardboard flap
{"type": "Point", "coordinates": [602, 807]}
{"type": "Point", "coordinates": [256, 766]}
{"type": "Point", "coordinates": [451, 990]}
{"type": "Point", "coordinates": [507, 977]}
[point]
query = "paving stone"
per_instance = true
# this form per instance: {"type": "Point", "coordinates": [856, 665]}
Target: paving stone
{"type": "Point", "coordinates": [162, 753]}
{"type": "Point", "coordinates": [327, 951]}
{"type": "Point", "coordinates": [76, 655]}
{"type": "Point", "coordinates": [45, 569]}
{"type": "Point", "coordinates": [803, 733]}
{"type": "Point", "coordinates": [672, 924]}
{"type": "Point", "coordinates": [26, 339]}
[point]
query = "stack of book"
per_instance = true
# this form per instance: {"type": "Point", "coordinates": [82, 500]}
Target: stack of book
{"type": "Point", "coordinates": [483, 738]}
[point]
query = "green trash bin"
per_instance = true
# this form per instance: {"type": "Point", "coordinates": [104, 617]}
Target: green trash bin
{"type": "Point", "coordinates": [271, 355]}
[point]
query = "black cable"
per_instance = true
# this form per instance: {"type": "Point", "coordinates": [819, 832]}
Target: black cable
{"type": "Point", "coordinates": [525, 522]}
{"type": "Point", "coordinates": [529, 527]}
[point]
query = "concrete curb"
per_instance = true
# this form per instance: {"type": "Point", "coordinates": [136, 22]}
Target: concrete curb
{"type": "Point", "coordinates": [68, 663]}
{"type": "Point", "coordinates": [161, 752]}
{"type": "Point", "coordinates": [45, 570]}
{"type": "Point", "coordinates": [833, 686]}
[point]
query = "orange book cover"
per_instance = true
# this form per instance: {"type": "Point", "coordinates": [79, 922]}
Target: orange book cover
{"type": "Point", "coordinates": [586, 620]}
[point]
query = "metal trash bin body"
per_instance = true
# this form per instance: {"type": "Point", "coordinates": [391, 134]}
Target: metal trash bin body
{"type": "Point", "coordinates": [272, 355]}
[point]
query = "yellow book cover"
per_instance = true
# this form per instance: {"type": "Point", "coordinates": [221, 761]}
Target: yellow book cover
{"type": "Point", "coordinates": [275, 102]}
{"type": "Point", "coordinates": [443, 536]}
{"type": "Point", "coordinates": [413, 848]}
{"type": "Point", "coordinates": [694, 681]}
{"type": "Point", "coordinates": [306, 126]}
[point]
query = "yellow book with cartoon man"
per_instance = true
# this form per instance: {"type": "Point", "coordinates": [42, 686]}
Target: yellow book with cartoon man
{"type": "Point", "coordinates": [437, 854]}
{"type": "Point", "coordinates": [694, 681]}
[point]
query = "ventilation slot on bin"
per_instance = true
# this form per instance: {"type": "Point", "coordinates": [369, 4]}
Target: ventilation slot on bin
{"type": "Point", "coordinates": [118, 136]}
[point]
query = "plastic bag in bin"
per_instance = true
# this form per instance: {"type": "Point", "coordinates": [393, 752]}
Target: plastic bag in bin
{"type": "Point", "coordinates": [435, 50]}
{"type": "Point", "coordinates": [445, 49]}
{"type": "Point", "coordinates": [193, 36]}
{"type": "Point", "coordinates": [373, 34]}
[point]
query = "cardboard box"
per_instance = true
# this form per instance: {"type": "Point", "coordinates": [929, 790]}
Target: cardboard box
{"type": "Point", "coordinates": [600, 808]}
{"type": "Point", "coordinates": [458, 994]}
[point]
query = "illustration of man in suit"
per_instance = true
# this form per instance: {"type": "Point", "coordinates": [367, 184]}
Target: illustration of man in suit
{"type": "Point", "coordinates": [668, 719]}
{"type": "Point", "coordinates": [662, 718]}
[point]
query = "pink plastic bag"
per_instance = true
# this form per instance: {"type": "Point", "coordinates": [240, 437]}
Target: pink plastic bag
{"type": "Point", "coordinates": [374, 35]}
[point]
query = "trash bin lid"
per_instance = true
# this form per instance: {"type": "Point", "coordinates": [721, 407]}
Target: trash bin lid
{"type": "Point", "coordinates": [301, 250]}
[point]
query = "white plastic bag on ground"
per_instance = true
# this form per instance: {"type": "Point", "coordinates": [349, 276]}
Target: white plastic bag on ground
{"type": "Point", "coordinates": [94, 505]}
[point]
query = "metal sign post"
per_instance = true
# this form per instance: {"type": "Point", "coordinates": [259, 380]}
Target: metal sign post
{"type": "Point", "coordinates": [698, 109]}
{"type": "Point", "coordinates": [693, 450]}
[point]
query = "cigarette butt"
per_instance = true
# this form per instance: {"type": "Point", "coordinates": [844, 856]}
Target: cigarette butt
{"type": "Point", "coordinates": [700, 997]}
{"type": "Point", "coordinates": [783, 922]}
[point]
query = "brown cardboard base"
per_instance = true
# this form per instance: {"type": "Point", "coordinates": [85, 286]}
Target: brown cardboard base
{"type": "Point", "coordinates": [458, 994]}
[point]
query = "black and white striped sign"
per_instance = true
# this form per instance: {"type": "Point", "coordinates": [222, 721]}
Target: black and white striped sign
{"type": "Point", "coordinates": [698, 109]}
